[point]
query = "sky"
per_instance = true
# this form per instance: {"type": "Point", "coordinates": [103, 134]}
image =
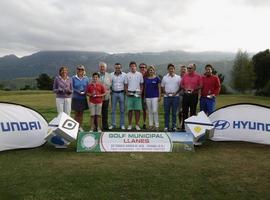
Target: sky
{"type": "Point", "coordinates": [121, 26]}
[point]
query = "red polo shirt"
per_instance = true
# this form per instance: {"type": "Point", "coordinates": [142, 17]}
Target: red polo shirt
{"type": "Point", "coordinates": [211, 85]}
{"type": "Point", "coordinates": [98, 89]}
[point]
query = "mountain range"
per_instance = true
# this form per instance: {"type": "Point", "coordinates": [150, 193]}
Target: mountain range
{"type": "Point", "coordinates": [12, 67]}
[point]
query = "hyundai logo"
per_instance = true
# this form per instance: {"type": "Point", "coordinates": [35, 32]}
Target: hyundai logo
{"type": "Point", "coordinates": [221, 124]}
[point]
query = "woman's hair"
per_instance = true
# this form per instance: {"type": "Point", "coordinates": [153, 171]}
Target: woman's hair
{"type": "Point", "coordinates": [148, 69]}
{"type": "Point", "coordinates": [62, 68]}
{"type": "Point", "coordinates": [81, 67]}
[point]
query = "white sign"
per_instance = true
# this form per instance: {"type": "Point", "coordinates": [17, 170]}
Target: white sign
{"type": "Point", "coordinates": [198, 124]}
{"type": "Point", "coordinates": [68, 127]}
{"type": "Point", "coordinates": [52, 137]}
{"type": "Point", "coordinates": [242, 122]}
{"type": "Point", "coordinates": [62, 130]}
{"type": "Point", "coordinates": [135, 142]}
{"type": "Point", "coordinates": [21, 127]}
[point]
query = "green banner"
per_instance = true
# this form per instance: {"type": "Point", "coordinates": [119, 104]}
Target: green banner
{"type": "Point", "coordinates": [135, 142]}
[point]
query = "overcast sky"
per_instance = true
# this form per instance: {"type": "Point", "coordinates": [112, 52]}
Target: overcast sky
{"type": "Point", "coordinates": [114, 26]}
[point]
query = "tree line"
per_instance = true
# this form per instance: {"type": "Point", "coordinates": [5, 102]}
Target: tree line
{"type": "Point", "coordinates": [252, 74]}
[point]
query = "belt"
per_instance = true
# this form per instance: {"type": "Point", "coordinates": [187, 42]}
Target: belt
{"type": "Point", "coordinates": [190, 94]}
{"type": "Point", "coordinates": [120, 91]}
{"type": "Point", "coordinates": [132, 92]}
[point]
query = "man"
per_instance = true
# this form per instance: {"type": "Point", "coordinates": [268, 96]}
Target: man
{"type": "Point", "coordinates": [191, 85]}
{"type": "Point", "coordinates": [118, 95]}
{"type": "Point", "coordinates": [133, 89]}
{"type": "Point", "coordinates": [143, 70]}
{"type": "Point", "coordinates": [183, 71]}
{"type": "Point", "coordinates": [106, 80]}
{"type": "Point", "coordinates": [170, 86]}
{"type": "Point", "coordinates": [210, 89]}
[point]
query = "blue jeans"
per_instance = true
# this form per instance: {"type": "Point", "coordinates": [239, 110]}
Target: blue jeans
{"type": "Point", "coordinates": [171, 104]}
{"type": "Point", "coordinates": [118, 97]}
{"type": "Point", "coordinates": [207, 105]}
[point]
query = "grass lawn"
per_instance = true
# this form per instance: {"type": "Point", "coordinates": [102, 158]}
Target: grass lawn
{"type": "Point", "coordinates": [216, 170]}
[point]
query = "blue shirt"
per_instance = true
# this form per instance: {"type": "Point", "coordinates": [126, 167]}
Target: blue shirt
{"type": "Point", "coordinates": [151, 87]}
{"type": "Point", "coordinates": [79, 85]}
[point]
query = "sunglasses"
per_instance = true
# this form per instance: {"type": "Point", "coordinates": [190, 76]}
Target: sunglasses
{"type": "Point", "coordinates": [80, 69]}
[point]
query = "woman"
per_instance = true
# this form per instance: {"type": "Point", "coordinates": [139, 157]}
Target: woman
{"type": "Point", "coordinates": [79, 101]}
{"type": "Point", "coordinates": [152, 96]}
{"type": "Point", "coordinates": [62, 86]}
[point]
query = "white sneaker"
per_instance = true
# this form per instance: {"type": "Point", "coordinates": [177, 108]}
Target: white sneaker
{"type": "Point", "coordinates": [81, 129]}
{"type": "Point", "coordinates": [197, 143]}
{"type": "Point", "coordinates": [137, 128]}
{"type": "Point", "coordinates": [129, 127]}
{"type": "Point", "coordinates": [111, 127]}
{"type": "Point", "coordinates": [99, 129]}
{"type": "Point", "coordinates": [123, 127]}
{"type": "Point", "coordinates": [91, 131]}
{"type": "Point", "coordinates": [165, 129]}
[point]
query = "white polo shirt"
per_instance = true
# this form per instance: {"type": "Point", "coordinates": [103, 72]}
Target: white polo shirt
{"type": "Point", "coordinates": [134, 80]}
{"type": "Point", "coordinates": [171, 84]}
{"type": "Point", "coordinates": [118, 81]}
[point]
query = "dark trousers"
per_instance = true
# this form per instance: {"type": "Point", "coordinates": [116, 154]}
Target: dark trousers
{"type": "Point", "coordinates": [170, 106]}
{"type": "Point", "coordinates": [189, 106]}
{"type": "Point", "coordinates": [104, 114]}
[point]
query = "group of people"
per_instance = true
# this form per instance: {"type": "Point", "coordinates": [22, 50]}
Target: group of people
{"type": "Point", "coordinates": [136, 91]}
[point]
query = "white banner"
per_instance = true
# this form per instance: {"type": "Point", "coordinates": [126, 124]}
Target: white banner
{"type": "Point", "coordinates": [135, 142]}
{"type": "Point", "coordinates": [145, 142]}
{"type": "Point", "coordinates": [21, 127]}
{"type": "Point", "coordinates": [242, 122]}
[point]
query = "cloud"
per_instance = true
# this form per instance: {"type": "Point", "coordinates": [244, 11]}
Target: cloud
{"type": "Point", "coordinates": [129, 25]}
{"type": "Point", "coordinates": [256, 3]}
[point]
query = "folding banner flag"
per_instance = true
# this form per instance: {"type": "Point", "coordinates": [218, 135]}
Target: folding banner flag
{"type": "Point", "coordinates": [242, 122]}
{"type": "Point", "coordinates": [21, 127]}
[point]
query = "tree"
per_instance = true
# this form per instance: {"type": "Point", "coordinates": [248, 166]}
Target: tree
{"type": "Point", "coordinates": [266, 89]}
{"type": "Point", "coordinates": [243, 75]}
{"type": "Point", "coordinates": [261, 62]}
{"type": "Point", "coordinates": [223, 88]}
{"type": "Point", "coordinates": [44, 82]}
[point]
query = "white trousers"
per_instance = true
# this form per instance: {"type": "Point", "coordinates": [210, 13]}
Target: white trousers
{"type": "Point", "coordinates": [63, 105]}
{"type": "Point", "coordinates": [152, 106]}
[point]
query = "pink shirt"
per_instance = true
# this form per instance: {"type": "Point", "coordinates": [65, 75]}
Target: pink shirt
{"type": "Point", "coordinates": [191, 82]}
